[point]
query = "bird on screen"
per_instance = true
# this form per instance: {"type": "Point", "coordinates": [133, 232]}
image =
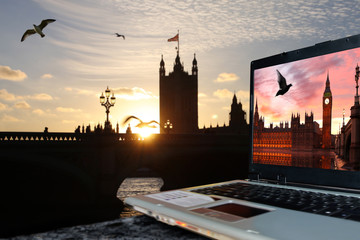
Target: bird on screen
{"type": "Point", "coordinates": [141, 124]}
{"type": "Point", "coordinates": [282, 84]}
{"type": "Point", "coordinates": [37, 29]}
{"type": "Point", "coordinates": [120, 35]}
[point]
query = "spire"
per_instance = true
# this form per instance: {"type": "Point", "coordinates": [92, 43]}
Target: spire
{"type": "Point", "coordinates": [327, 80]}
{"type": "Point", "coordinates": [162, 63]}
{"type": "Point", "coordinates": [177, 65]}
{"type": "Point", "coordinates": [194, 61]}
{"type": "Point", "coordinates": [327, 85]}
{"type": "Point", "coordinates": [256, 106]}
{"type": "Point", "coordinates": [234, 100]}
{"type": "Point", "coordinates": [162, 66]}
{"type": "Point", "coordinates": [194, 67]}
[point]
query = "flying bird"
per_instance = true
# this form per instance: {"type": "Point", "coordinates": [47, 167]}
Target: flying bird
{"type": "Point", "coordinates": [141, 124]}
{"type": "Point", "coordinates": [282, 84]}
{"type": "Point", "coordinates": [37, 29]}
{"type": "Point", "coordinates": [120, 35]}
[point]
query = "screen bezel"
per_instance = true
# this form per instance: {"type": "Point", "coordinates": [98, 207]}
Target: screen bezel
{"type": "Point", "coordinates": [334, 178]}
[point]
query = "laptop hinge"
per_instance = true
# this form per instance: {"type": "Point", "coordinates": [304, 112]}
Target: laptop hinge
{"type": "Point", "coordinates": [281, 179]}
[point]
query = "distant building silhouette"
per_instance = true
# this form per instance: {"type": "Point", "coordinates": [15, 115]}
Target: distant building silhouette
{"type": "Point", "coordinates": [179, 97]}
{"type": "Point", "coordinates": [298, 136]}
{"type": "Point", "coordinates": [237, 121]}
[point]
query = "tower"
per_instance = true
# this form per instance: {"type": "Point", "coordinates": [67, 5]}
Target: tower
{"type": "Point", "coordinates": [179, 97]}
{"type": "Point", "coordinates": [256, 115]}
{"type": "Point", "coordinates": [237, 117]}
{"type": "Point", "coordinates": [327, 109]}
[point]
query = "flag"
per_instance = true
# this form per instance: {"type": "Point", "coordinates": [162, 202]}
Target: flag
{"type": "Point", "coordinates": [174, 39]}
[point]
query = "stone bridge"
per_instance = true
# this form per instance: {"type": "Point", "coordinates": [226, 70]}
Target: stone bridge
{"type": "Point", "coordinates": [76, 176]}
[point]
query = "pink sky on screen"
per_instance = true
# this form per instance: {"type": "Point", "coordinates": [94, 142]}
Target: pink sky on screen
{"type": "Point", "coordinates": [308, 78]}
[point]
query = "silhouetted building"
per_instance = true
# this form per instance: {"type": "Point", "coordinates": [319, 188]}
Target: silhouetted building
{"type": "Point", "coordinates": [237, 121]}
{"type": "Point", "coordinates": [348, 141]}
{"type": "Point", "coordinates": [179, 97]}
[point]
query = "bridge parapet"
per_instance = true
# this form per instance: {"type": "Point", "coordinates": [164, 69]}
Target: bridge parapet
{"type": "Point", "coordinates": [59, 137]}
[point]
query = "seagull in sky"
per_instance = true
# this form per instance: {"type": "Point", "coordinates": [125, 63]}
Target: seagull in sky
{"type": "Point", "coordinates": [37, 29]}
{"type": "Point", "coordinates": [141, 124]}
{"type": "Point", "coordinates": [120, 35]}
{"type": "Point", "coordinates": [282, 84]}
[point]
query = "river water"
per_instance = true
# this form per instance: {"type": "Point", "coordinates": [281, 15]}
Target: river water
{"type": "Point", "coordinates": [134, 186]}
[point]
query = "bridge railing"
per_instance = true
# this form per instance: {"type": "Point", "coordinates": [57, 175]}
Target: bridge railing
{"type": "Point", "coordinates": [60, 137]}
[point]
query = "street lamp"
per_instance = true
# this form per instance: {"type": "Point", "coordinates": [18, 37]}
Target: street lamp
{"type": "Point", "coordinates": [168, 126]}
{"type": "Point", "coordinates": [107, 104]}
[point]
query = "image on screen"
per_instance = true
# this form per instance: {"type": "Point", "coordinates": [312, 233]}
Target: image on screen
{"type": "Point", "coordinates": [306, 113]}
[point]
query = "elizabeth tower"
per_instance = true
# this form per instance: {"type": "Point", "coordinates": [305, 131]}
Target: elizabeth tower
{"type": "Point", "coordinates": [327, 108]}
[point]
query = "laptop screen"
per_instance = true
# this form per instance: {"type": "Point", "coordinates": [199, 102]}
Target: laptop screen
{"type": "Point", "coordinates": [305, 107]}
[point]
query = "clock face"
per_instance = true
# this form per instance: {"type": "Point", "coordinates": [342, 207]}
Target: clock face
{"type": "Point", "coordinates": [327, 101]}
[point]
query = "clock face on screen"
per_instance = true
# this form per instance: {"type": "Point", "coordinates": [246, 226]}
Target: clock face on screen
{"type": "Point", "coordinates": [327, 101]}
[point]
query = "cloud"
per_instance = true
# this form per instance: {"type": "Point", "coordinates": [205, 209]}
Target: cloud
{"type": "Point", "coordinates": [226, 77]}
{"type": "Point", "coordinates": [47, 76]}
{"type": "Point", "coordinates": [39, 112]}
{"type": "Point", "coordinates": [22, 105]}
{"type": "Point", "coordinates": [134, 93]}
{"type": "Point", "coordinates": [79, 91]}
{"type": "Point", "coordinates": [8, 118]}
{"type": "Point", "coordinates": [201, 95]}
{"type": "Point", "coordinates": [67, 110]}
{"type": "Point", "coordinates": [68, 121]}
{"type": "Point", "coordinates": [6, 73]}
{"type": "Point", "coordinates": [43, 113]}
{"type": "Point", "coordinates": [223, 93]}
{"type": "Point", "coordinates": [3, 107]}
{"type": "Point", "coordinates": [40, 97]}
{"type": "Point", "coordinates": [5, 95]}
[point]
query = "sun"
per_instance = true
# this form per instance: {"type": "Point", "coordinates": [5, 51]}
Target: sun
{"type": "Point", "coordinates": [145, 132]}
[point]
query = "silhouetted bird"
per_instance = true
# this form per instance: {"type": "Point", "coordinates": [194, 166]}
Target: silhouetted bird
{"type": "Point", "coordinates": [119, 35]}
{"type": "Point", "coordinates": [282, 84]}
{"type": "Point", "coordinates": [141, 124]}
{"type": "Point", "coordinates": [37, 29]}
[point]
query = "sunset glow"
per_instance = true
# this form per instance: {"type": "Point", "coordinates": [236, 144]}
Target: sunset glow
{"type": "Point", "coordinates": [308, 78]}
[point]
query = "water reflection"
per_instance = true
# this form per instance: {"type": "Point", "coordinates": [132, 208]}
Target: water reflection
{"type": "Point", "coordinates": [320, 158]}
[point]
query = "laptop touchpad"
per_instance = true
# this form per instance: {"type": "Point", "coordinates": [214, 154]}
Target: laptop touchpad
{"type": "Point", "coordinates": [230, 212]}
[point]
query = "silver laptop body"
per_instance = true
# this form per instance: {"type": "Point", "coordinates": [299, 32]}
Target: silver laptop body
{"type": "Point", "coordinates": [305, 139]}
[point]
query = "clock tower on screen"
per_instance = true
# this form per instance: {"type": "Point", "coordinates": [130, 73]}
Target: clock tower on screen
{"type": "Point", "coordinates": [327, 108]}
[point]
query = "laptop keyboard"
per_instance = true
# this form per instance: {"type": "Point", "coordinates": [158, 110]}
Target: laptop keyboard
{"type": "Point", "coordinates": [313, 202]}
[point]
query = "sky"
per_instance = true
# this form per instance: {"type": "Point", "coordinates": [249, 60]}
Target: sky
{"type": "Point", "coordinates": [56, 81]}
{"type": "Point", "coordinates": [308, 79]}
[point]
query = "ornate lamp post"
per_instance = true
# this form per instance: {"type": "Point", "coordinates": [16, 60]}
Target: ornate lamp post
{"type": "Point", "coordinates": [168, 126]}
{"type": "Point", "coordinates": [107, 104]}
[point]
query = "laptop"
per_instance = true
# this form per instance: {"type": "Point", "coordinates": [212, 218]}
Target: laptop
{"type": "Point", "coordinates": [304, 176]}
